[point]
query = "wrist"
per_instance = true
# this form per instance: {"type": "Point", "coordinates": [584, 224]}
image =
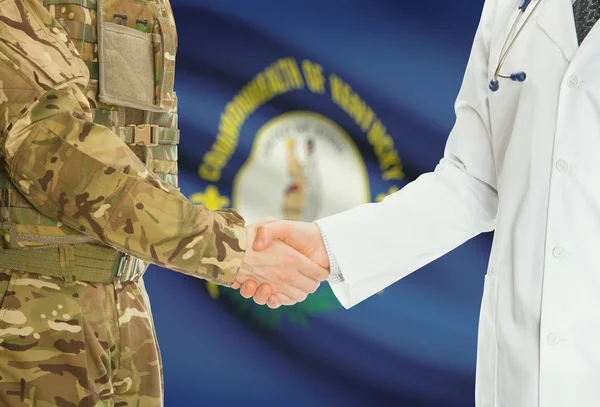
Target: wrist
{"type": "Point", "coordinates": [245, 270]}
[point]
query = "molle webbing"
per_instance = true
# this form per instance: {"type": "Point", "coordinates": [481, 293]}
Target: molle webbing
{"type": "Point", "coordinates": [162, 135]}
{"type": "Point", "coordinates": [153, 136]}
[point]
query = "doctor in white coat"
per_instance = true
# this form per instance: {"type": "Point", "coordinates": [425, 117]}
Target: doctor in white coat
{"type": "Point", "coordinates": [523, 159]}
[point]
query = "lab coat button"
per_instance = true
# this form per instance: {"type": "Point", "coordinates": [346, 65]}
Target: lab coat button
{"type": "Point", "coordinates": [573, 81]}
{"type": "Point", "coordinates": [559, 253]}
{"type": "Point", "coordinates": [553, 340]}
{"type": "Point", "coordinates": [562, 165]}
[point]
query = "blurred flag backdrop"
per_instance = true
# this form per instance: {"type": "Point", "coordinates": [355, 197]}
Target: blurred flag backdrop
{"type": "Point", "coordinates": [299, 109]}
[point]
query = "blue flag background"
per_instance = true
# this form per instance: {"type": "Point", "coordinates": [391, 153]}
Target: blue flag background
{"type": "Point", "coordinates": [387, 73]}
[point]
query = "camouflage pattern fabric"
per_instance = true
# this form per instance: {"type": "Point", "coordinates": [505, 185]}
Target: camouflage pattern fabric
{"type": "Point", "coordinates": [68, 177]}
{"type": "Point", "coordinates": [76, 345]}
{"type": "Point", "coordinates": [80, 173]}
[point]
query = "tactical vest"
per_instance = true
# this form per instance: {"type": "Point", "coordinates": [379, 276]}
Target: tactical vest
{"type": "Point", "coordinates": [129, 47]}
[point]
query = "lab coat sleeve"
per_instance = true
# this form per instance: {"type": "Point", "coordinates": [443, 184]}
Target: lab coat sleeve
{"type": "Point", "coordinates": [376, 245]}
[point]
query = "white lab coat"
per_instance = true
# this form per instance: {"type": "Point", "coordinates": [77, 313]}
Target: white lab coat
{"type": "Point", "coordinates": [524, 161]}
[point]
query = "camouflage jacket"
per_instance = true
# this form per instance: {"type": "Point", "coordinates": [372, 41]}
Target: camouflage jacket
{"type": "Point", "coordinates": [84, 176]}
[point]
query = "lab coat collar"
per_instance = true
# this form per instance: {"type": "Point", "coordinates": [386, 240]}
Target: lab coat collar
{"type": "Point", "coordinates": [556, 19]}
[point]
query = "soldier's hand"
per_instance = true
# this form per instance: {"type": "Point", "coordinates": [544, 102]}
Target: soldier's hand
{"type": "Point", "coordinates": [288, 275]}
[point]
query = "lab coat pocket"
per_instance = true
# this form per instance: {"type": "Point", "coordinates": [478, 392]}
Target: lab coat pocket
{"type": "Point", "coordinates": [485, 381]}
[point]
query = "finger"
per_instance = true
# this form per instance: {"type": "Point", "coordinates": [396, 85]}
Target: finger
{"type": "Point", "coordinates": [285, 300]}
{"type": "Point", "coordinates": [294, 294]}
{"type": "Point", "coordinates": [273, 302]}
{"type": "Point", "coordinates": [305, 284]}
{"type": "Point", "coordinates": [266, 233]}
{"type": "Point", "coordinates": [311, 269]}
{"type": "Point", "coordinates": [262, 294]}
{"type": "Point", "coordinates": [236, 285]}
{"type": "Point", "coordinates": [248, 289]}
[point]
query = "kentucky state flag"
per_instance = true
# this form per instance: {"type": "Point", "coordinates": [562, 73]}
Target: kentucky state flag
{"type": "Point", "coordinates": [299, 110]}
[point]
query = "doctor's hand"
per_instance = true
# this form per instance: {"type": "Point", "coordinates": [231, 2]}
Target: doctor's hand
{"type": "Point", "coordinates": [286, 273]}
{"type": "Point", "coordinates": [304, 237]}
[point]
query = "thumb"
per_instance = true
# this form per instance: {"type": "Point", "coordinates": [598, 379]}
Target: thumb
{"type": "Point", "coordinates": [266, 233]}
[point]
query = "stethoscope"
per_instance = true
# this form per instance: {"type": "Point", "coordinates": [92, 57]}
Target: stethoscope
{"type": "Point", "coordinates": [507, 45]}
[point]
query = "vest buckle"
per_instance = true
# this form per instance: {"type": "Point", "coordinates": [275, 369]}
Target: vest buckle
{"type": "Point", "coordinates": [144, 134]}
{"type": "Point", "coordinates": [126, 268]}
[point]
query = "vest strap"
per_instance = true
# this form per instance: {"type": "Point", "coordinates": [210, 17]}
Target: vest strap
{"type": "Point", "coordinates": [148, 135]}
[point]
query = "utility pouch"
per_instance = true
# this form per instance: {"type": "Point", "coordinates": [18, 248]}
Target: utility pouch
{"type": "Point", "coordinates": [136, 67]}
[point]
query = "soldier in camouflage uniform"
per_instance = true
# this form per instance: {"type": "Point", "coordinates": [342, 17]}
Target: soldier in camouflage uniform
{"type": "Point", "coordinates": [89, 197]}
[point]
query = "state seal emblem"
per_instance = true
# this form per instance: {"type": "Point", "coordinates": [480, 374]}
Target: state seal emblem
{"type": "Point", "coordinates": [302, 167]}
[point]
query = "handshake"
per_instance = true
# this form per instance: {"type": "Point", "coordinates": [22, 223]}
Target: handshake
{"type": "Point", "coordinates": [284, 262]}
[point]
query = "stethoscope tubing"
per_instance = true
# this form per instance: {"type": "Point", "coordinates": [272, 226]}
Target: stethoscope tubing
{"type": "Point", "coordinates": [508, 43]}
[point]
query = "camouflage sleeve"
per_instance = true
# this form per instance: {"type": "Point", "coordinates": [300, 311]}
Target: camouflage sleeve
{"type": "Point", "coordinates": [81, 173]}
